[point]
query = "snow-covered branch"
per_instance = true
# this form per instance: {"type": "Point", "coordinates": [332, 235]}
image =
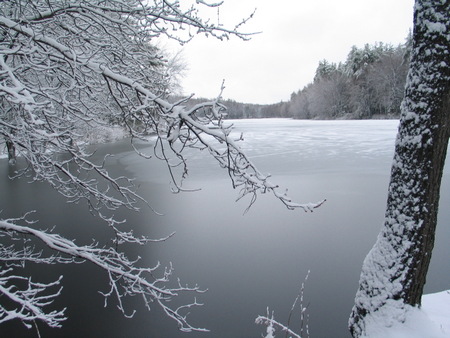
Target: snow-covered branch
{"type": "Point", "coordinates": [125, 278]}
{"type": "Point", "coordinates": [194, 127]}
{"type": "Point", "coordinates": [29, 301]}
{"type": "Point", "coordinates": [271, 324]}
{"type": "Point", "coordinates": [69, 67]}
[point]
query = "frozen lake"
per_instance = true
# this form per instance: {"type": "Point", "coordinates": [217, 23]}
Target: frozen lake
{"type": "Point", "coordinates": [252, 261]}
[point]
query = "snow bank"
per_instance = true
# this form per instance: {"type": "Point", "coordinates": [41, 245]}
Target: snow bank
{"type": "Point", "coordinates": [431, 321]}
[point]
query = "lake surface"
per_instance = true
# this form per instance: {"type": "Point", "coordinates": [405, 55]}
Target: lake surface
{"type": "Point", "coordinates": [247, 262]}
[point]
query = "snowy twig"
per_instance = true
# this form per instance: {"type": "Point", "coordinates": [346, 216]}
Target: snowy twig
{"type": "Point", "coordinates": [271, 323]}
{"type": "Point", "coordinates": [125, 278]}
{"type": "Point", "coordinates": [30, 300]}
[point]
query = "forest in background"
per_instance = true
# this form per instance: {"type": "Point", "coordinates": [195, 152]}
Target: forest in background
{"type": "Point", "coordinates": [368, 85]}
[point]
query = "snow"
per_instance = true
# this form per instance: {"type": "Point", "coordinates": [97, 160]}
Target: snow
{"type": "Point", "coordinates": [437, 27]}
{"type": "Point", "coordinates": [367, 138]}
{"type": "Point", "coordinates": [431, 321]}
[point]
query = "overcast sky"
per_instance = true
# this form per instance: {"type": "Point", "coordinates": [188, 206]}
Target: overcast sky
{"type": "Point", "coordinates": [296, 34]}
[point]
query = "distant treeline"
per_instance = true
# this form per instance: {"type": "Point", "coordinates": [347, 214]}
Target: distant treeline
{"type": "Point", "coordinates": [369, 84]}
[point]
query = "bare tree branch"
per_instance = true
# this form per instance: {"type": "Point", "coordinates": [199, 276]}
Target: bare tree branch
{"type": "Point", "coordinates": [68, 67]}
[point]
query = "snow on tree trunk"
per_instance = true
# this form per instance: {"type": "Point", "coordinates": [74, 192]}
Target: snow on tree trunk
{"type": "Point", "coordinates": [394, 272]}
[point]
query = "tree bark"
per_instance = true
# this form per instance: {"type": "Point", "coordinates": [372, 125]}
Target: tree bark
{"type": "Point", "coordinates": [11, 151]}
{"type": "Point", "coordinates": [394, 272]}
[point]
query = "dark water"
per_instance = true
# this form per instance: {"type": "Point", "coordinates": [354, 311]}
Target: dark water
{"type": "Point", "coordinates": [247, 262]}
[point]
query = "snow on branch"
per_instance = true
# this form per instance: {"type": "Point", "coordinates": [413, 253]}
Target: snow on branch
{"type": "Point", "coordinates": [271, 324]}
{"type": "Point", "coordinates": [243, 173]}
{"type": "Point", "coordinates": [29, 301]}
{"type": "Point", "coordinates": [193, 127]}
{"type": "Point", "coordinates": [70, 67]}
{"type": "Point", "coordinates": [125, 278]}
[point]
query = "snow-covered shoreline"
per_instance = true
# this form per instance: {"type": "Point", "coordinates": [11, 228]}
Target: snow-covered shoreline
{"type": "Point", "coordinates": [432, 320]}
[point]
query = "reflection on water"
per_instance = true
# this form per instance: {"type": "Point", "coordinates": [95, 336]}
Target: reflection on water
{"type": "Point", "coordinates": [247, 262]}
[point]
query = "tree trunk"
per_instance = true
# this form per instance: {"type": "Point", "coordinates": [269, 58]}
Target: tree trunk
{"type": "Point", "coordinates": [11, 151]}
{"type": "Point", "coordinates": [394, 272]}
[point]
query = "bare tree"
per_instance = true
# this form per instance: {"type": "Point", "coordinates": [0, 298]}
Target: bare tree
{"type": "Point", "coordinates": [65, 64]}
{"type": "Point", "coordinates": [386, 78]}
{"type": "Point", "coordinates": [394, 271]}
{"type": "Point", "coordinates": [329, 96]}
